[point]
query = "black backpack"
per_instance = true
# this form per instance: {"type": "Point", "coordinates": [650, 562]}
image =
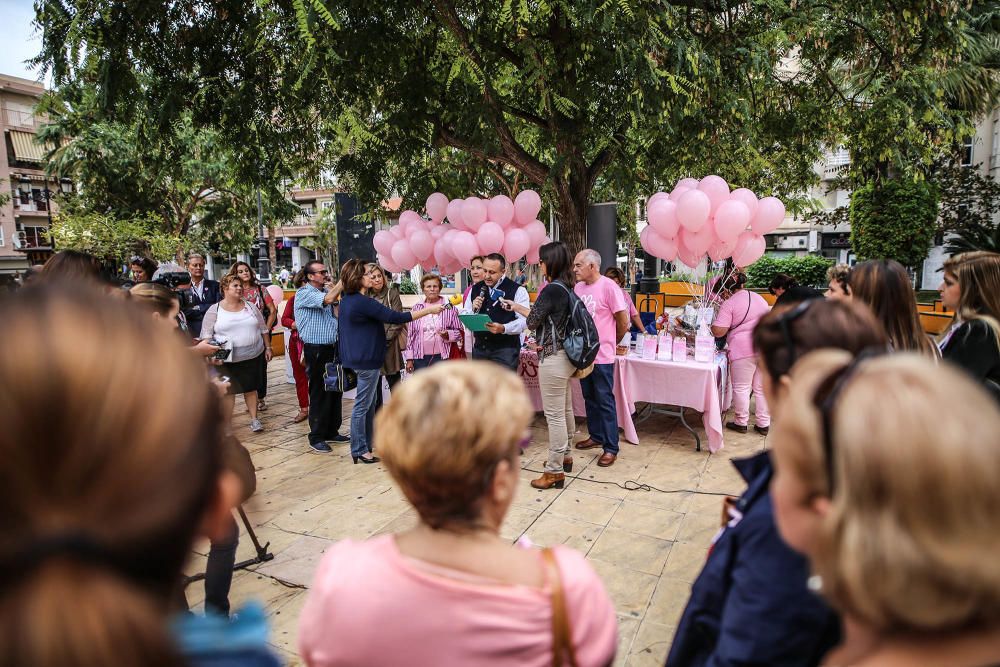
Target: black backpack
{"type": "Point", "coordinates": [582, 343]}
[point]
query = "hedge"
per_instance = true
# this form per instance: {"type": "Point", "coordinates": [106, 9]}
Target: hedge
{"type": "Point", "coordinates": [895, 219]}
{"type": "Point", "coordinates": [808, 270]}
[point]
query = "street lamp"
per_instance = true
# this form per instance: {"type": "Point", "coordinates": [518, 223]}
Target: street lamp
{"type": "Point", "coordinates": [263, 262]}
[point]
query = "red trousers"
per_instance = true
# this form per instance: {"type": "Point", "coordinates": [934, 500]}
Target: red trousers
{"type": "Point", "coordinates": [298, 370]}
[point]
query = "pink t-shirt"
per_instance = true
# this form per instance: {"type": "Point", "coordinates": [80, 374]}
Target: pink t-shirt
{"type": "Point", "coordinates": [740, 313]}
{"type": "Point", "coordinates": [603, 299]}
{"type": "Point", "coordinates": [371, 605]}
{"type": "Point", "coordinates": [632, 312]}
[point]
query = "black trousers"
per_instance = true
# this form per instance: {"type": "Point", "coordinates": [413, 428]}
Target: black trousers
{"type": "Point", "coordinates": [505, 356]}
{"type": "Point", "coordinates": [325, 407]}
{"type": "Point", "coordinates": [219, 571]}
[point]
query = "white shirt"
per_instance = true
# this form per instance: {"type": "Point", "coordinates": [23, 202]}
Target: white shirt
{"type": "Point", "coordinates": [199, 289]}
{"type": "Point", "coordinates": [519, 324]}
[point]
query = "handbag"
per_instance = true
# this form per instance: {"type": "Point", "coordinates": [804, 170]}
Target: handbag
{"type": "Point", "coordinates": [562, 632]}
{"type": "Point", "coordinates": [337, 377]}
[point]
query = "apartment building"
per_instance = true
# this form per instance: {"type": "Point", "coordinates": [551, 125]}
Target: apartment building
{"type": "Point", "coordinates": [26, 216]}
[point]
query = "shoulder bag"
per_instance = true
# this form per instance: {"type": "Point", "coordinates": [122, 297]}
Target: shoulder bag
{"type": "Point", "coordinates": [337, 377]}
{"type": "Point", "coordinates": [563, 652]}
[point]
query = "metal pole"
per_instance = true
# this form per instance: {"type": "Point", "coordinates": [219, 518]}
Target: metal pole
{"type": "Point", "coordinates": [263, 261]}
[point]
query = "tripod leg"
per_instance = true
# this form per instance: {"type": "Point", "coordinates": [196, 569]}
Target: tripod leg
{"type": "Point", "coordinates": [262, 553]}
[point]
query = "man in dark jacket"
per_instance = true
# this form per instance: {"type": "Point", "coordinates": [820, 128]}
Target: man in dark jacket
{"type": "Point", "coordinates": [203, 294]}
{"type": "Point", "coordinates": [750, 605]}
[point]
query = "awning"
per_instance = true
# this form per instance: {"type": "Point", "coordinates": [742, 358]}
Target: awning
{"type": "Point", "coordinates": [25, 148]}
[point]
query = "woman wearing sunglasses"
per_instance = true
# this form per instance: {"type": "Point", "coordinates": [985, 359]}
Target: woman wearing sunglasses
{"type": "Point", "coordinates": [886, 478]}
{"type": "Point", "coordinates": [750, 605]}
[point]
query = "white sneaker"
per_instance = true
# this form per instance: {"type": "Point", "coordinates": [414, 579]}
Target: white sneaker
{"type": "Point", "coordinates": [256, 426]}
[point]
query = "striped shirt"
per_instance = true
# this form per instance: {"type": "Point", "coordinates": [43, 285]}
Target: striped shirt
{"type": "Point", "coordinates": [314, 319]}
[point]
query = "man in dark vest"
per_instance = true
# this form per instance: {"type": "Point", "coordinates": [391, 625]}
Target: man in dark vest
{"type": "Point", "coordinates": [204, 293]}
{"type": "Point", "coordinates": [503, 342]}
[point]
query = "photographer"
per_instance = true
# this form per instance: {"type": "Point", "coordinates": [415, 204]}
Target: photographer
{"type": "Point", "coordinates": [240, 327]}
{"type": "Point", "coordinates": [200, 296]}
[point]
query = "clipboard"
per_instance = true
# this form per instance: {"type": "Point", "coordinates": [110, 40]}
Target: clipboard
{"type": "Point", "coordinates": [475, 323]}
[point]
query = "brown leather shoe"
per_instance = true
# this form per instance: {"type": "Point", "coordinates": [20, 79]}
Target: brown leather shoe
{"type": "Point", "coordinates": [549, 480]}
{"type": "Point", "coordinates": [607, 460]}
{"type": "Point", "coordinates": [588, 444]}
{"type": "Point", "coordinates": [301, 417]}
{"type": "Point", "coordinates": [739, 428]}
{"type": "Point", "coordinates": [568, 464]}
{"type": "Point", "coordinates": [762, 430]}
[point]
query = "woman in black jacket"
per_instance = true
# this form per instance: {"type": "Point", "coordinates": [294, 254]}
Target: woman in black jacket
{"type": "Point", "coordinates": [971, 288]}
{"type": "Point", "coordinates": [548, 318]}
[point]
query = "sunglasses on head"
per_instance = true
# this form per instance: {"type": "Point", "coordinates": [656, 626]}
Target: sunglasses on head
{"type": "Point", "coordinates": [785, 324]}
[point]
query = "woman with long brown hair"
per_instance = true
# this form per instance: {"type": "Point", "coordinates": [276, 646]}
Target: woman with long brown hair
{"type": "Point", "coordinates": [254, 292]}
{"type": "Point", "coordinates": [884, 286]}
{"type": "Point", "coordinates": [102, 503]}
{"type": "Point", "coordinates": [971, 288]}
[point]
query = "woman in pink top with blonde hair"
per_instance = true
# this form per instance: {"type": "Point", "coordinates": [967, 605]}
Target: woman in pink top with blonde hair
{"type": "Point", "coordinates": [451, 591]}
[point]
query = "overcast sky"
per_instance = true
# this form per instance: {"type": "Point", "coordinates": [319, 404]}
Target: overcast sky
{"type": "Point", "coordinates": [18, 40]}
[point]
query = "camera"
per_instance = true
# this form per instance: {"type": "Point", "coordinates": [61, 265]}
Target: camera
{"type": "Point", "coordinates": [174, 279]}
{"type": "Point", "coordinates": [222, 354]}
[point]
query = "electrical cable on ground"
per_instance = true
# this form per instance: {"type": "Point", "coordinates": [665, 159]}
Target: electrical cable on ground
{"type": "Point", "coordinates": [633, 485]}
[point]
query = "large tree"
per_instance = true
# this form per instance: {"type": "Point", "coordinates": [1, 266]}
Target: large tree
{"type": "Point", "coordinates": [583, 100]}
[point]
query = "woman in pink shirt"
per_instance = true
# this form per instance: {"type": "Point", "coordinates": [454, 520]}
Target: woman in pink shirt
{"type": "Point", "coordinates": [429, 339]}
{"type": "Point", "coordinates": [736, 320]}
{"type": "Point", "coordinates": [451, 591]}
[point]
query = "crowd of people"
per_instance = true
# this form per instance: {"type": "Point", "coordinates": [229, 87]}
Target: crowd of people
{"type": "Point", "coordinates": [866, 535]}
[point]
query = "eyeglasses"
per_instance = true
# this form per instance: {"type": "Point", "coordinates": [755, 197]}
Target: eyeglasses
{"type": "Point", "coordinates": [825, 399]}
{"type": "Point", "coordinates": [324, 272]}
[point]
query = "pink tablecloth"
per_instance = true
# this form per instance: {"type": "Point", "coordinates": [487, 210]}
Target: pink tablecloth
{"type": "Point", "coordinates": [702, 387]}
{"type": "Point", "coordinates": [527, 369]}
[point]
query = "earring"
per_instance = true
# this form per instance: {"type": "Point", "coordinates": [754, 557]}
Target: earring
{"type": "Point", "coordinates": [815, 583]}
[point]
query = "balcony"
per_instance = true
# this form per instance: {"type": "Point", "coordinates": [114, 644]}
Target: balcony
{"type": "Point", "coordinates": [19, 119]}
{"type": "Point", "coordinates": [32, 238]}
{"type": "Point", "coordinates": [30, 205]}
{"type": "Point", "coordinates": [835, 163]}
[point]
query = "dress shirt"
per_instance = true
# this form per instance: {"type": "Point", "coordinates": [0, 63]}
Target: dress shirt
{"type": "Point", "coordinates": [315, 320]}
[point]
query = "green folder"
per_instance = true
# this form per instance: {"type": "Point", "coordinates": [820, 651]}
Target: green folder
{"type": "Point", "coordinates": [476, 322]}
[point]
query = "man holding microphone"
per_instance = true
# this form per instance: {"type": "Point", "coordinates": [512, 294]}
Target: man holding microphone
{"type": "Point", "coordinates": [502, 343]}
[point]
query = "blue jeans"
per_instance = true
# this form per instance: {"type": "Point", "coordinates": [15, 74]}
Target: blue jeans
{"type": "Point", "coordinates": [424, 362]}
{"type": "Point", "coordinates": [364, 411]}
{"type": "Point", "coordinates": [602, 419]}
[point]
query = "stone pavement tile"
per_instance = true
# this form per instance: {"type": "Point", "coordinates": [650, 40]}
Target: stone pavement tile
{"type": "Point", "coordinates": [249, 586]}
{"type": "Point", "coordinates": [264, 506]}
{"type": "Point", "coordinates": [339, 522]}
{"type": "Point", "coordinates": [586, 481]}
{"type": "Point", "coordinates": [685, 561]}
{"type": "Point", "coordinates": [400, 524]}
{"type": "Point", "coordinates": [631, 550]}
{"type": "Point", "coordinates": [550, 530]}
{"type": "Point", "coordinates": [630, 590]}
{"type": "Point", "coordinates": [284, 622]}
{"type": "Point", "coordinates": [671, 477]}
{"type": "Point", "coordinates": [287, 658]}
{"type": "Point", "coordinates": [518, 520]}
{"type": "Point", "coordinates": [529, 497]}
{"type": "Point", "coordinates": [627, 627]}
{"type": "Point", "coordinates": [699, 528]}
{"type": "Point", "coordinates": [722, 479]}
{"type": "Point", "coordinates": [651, 645]}
{"type": "Point", "coordinates": [653, 498]}
{"type": "Point", "coordinates": [297, 563]}
{"type": "Point", "coordinates": [645, 520]}
{"type": "Point", "coordinates": [276, 539]}
{"type": "Point", "coordinates": [668, 602]}
{"type": "Point", "coordinates": [272, 456]}
{"type": "Point", "coordinates": [584, 506]}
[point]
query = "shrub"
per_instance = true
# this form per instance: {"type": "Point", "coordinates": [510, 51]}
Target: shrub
{"type": "Point", "coordinates": [807, 270]}
{"type": "Point", "coordinates": [895, 219]}
{"type": "Point", "coordinates": [406, 285]}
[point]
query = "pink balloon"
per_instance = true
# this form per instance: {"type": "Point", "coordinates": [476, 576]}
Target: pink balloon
{"type": "Point", "coordinates": [409, 217]}
{"type": "Point", "coordinates": [455, 213]}
{"type": "Point", "coordinates": [403, 256]}
{"type": "Point", "coordinates": [689, 258]}
{"type": "Point", "coordinates": [386, 262]}
{"type": "Point", "coordinates": [717, 190]}
{"type": "Point", "coordinates": [383, 241]}
{"type": "Point", "coordinates": [770, 213]}
{"type": "Point", "coordinates": [442, 252]}
{"type": "Point", "coordinates": [545, 241]}
{"type": "Point", "coordinates": [436, 206]}
{"type": "Point", "coordinates": [490, 238]}
{"type": "Point", "coordinates": [749, 248]}
{"type": "Point", "coordinates": [516, 244]}
{"type": "Point", "coordinates": [676, 193]}
{"type": "Point", "coordinates": [720, 250]}
{"type": "Point", "coordinates": [500, 209]}
{"type": "Point", "coordinates": [473, 213]}
{"type": "Point", "coordinates": [421, 244]}
{"type": "Point", "coordinates": [655, 198]}
{"type": "Point", "coordinates": [693, 209]}
{"type": "Point", "coordinates": [532, 256]}
{"type": "Point", "coordinates": [428, 265]}
{"type": "Point", "coordinates": [690, 183]}
{"type": "Point", "coordinates": [397, 233]}
{"type": "Point", "coordinates": [464, 247]}
{"type": "Point", "coordinates": [275, 293]}
{"type": "Point", "coordinates": [527, 205]}
{"type": "Point", "coordinates": [437, 231]}
{"type": "Point", "coordinates": [663, 218]}
{"type": "Point", "coordinates": [747, 197]}
{"type": "Point", "coordinates": [731, 220]}
{"type": "Point", "coordinates": [536, 232]}
{"type": "Point", "coordinates": [698, 242]}
{"type": "Point", "coordinates": [657, 245]}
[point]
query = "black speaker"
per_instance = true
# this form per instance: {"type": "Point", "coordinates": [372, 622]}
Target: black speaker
{"type": "Point", "coordinates": [602, 232]}
{"type": "Point", "coordinates": [354, 236]}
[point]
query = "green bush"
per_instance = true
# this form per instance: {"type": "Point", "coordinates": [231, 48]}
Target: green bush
{"type": "Point", "coordinates": [808, 270]}
{"type": "Point", "coordinates": [406, 285]}
{"type": "Point", "coordinates": [895, 219]}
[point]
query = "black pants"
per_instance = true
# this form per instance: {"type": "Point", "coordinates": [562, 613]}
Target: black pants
{"type": "Point", "coordinates": [505, 356]}
{"type": "Point", "coordinates": [325, 407]}
{"type": "Point", "coordinates": [219, 571]}
{"type": "Point", "coordinates": [262, 389]}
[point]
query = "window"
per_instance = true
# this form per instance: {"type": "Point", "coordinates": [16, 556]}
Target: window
{"type": "Point", "coordinates": [327, 204]}
{"type": "Point", "coordinates": [967, 152]}
{"type": "Point", "coordinates": [1, 237]}
{"type": "Point", "coordinates": [307, 210]}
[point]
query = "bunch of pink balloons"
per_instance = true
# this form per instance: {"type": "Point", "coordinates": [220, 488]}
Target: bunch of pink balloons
{"type": "Point", "coordinates": [699, 218]}
{"type": "Point", "coordinates": [475, 227]}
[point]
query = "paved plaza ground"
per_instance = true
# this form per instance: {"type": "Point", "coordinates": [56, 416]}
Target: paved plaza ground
{"type": "Point", "coordinates": [647, 543]}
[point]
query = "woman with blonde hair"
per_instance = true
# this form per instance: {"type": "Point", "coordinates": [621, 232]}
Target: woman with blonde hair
{"type": "Point", "coordinates": [971, 288]}
{"type": "Point", "coordinates": [101, 505]}
{"type": "Point", "coordinates": [386, 293]}
{"type": "Point", "coordinates": [452, 590]}
{"type": "Point", "coordinates": [887, 472]}
{"type": "Point", "coordinates": [884, 286]}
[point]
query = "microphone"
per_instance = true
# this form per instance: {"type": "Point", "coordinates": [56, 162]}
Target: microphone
{"type": "Point", "coordinates": [484, 292]}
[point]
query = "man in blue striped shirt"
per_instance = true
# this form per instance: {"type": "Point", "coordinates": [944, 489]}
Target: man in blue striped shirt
{"type": "Point", "coordinates": [318, 330]}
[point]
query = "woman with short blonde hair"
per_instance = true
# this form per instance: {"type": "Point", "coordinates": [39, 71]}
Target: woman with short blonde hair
{"type": "Point", "coordinates": [453, 590]}
{"type": "Point", "coordinates": [887, 473]}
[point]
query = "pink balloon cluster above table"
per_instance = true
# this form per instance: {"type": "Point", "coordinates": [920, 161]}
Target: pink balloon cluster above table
{"type": "Point", "coordinates": [699, 218]}
{"type": "Point", "coordinates": [474, 226]}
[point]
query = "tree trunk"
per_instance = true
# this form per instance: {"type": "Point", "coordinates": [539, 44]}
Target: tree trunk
{"type": "Point", "coordinates": [272, 251]}
{"type": "Point", "coordinates": [573, 199]}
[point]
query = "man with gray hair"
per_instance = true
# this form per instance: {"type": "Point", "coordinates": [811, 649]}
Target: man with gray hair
{"type": "Point", "coordinates": [605, 301]}
{"type": "Point", "coordinates": [203, 294]}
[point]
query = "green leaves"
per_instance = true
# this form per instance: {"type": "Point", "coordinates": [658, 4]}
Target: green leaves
{"type": "Point", "coordinates": [894, 219]}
